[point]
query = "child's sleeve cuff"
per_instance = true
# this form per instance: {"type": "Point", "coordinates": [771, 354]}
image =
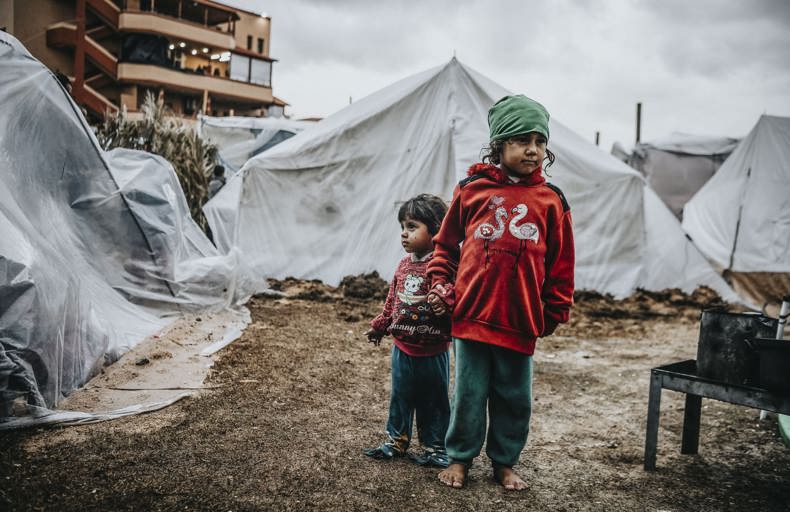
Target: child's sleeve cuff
{"type": "Point", "coordinates": [381, 324]}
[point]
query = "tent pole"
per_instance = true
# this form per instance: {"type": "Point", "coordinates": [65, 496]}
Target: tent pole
{"type": "Point", "coordinates": [738, 226]}
{"type": "Point", "coordinates": [638, 122]}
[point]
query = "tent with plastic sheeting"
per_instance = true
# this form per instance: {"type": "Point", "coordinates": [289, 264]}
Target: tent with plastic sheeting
{"type": "Point", "coordinates": [740, 219]}
{"type": "Point", "coordinates": [323, 204]}
{"type": "Point", "coordinates": [241, 138]}
{"type": "Point", "coordinates": [97, 249]}
{"type": "Point", "coordinates": [678, 165]}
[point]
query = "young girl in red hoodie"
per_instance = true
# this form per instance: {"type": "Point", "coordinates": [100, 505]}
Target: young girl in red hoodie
{"type": "Point", "coordinates": [509, 283]}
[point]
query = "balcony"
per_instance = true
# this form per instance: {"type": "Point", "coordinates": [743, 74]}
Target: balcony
{"type": "Point", "coordinates": [174, 28]}
{"type": "Point", "coordinates": [202, 12]}
{"type": "Point", "coordinates": [155, 76]}
{"type": "Point", "coordinates": [240, 85]}
{"type": "Point", "coordinates": [202, 22]}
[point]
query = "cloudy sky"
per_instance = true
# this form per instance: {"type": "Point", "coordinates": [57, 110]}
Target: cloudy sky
{"type": "Point", "coordinates": [707, 67]}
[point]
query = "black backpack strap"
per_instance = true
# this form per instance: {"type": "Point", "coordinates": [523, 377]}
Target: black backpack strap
{"type": "Point", "coordinates": [555, 188]}
{"type": "Point", "coordinates": [470, 179]}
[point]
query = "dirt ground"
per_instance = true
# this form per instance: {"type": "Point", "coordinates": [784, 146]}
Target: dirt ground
{"type": "Point", "coordinates": [298, 396]}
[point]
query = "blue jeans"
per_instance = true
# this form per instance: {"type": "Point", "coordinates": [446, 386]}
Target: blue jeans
{"type": "Point", "coordinates": [419, 386]}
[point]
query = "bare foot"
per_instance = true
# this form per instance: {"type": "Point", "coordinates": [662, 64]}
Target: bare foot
{"type": "Point", "coordinates": [454, 475]}
{"type": "Point", "coordinates": [509, 479]}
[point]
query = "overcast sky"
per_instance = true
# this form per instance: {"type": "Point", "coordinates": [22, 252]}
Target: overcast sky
{"type": "Point", "coordinates": [707, 67]}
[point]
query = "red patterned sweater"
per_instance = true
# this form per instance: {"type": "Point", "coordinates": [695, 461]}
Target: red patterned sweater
{"type": "Point", "coordinates": [511, 280]}
{"type": "Point", "coordinates": [407, 316]}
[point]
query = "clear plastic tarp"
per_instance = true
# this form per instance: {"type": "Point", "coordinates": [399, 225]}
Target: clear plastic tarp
{"type": "Point", "coordinates": [97, 250]}
{"type": "Point", "coordinates": [323, 204]}
{"type": "Point", "coordinates": [194, 273]}
{"type": "Point", "coordinates": [241, 138]}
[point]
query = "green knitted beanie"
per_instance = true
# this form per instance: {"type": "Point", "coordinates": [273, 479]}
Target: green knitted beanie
{"type": "Point", "coordinates": [517, 115]}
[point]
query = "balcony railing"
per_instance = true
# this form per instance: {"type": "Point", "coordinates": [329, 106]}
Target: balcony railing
{"type": "Point", "coordinates": [155, 23]}
{"type": "Point", "coordinates": [198, 12]}
{"type": "Point", "coordinates": [235, 66]}
{"type": "Point", "coordinates": [157, 75]}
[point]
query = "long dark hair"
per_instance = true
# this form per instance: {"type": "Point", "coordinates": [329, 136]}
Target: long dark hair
{"type": "Point", "coordinates": [426, 208]}
{"type": "Point", "coordinates": [492, 154]}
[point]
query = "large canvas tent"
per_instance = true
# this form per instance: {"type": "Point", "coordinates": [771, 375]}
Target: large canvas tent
{"type": "Point", "coordinates": [96, 249]}
{"type": "Point", "coordinates": [240, 138]}
{"type": "Point", "coordinates": [740, 219]}
{"type": "Point", "coordinates": [323, 204]}
{"type": "Point", "coordinates": [678, 165]}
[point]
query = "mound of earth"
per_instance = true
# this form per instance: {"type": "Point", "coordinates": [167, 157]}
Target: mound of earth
{"type": "Point", "coordinates": [363, 287]}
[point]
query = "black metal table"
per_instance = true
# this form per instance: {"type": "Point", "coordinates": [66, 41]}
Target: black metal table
{"type": "Point", "coordinates": [682, 376]}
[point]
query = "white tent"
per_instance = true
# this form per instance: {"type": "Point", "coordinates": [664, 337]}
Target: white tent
{"type": "Point", "coordinates": [241, 138]}
{"type": "Point", "coordinates": [741, 218]}
{"type": "Point", "coordinates": [678, 165]}
{"type": "Point", "coordinates": [323, 204]}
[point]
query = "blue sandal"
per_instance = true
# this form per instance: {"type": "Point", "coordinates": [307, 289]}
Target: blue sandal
{"type": "Point", "coordinates": [384, 451]}
{"type": "Point", "coordinates": [437, 459]}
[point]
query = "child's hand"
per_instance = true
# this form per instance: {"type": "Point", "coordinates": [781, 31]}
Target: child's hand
{"type": "Point", "coordinates": [374, 336]}
{"type": "Point", "coordinates": [549, 326]}
{"type": "Point", "coordinates": [437, 304]}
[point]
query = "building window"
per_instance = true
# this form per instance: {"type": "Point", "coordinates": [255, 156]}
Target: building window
{"type": "Point", "coordinates": [239, 67]}
{"type": "Point", "coordinates": [261, 72]}
{"type": "Point", "coordinates": [246, 69]}
{"type": "Point", "coordinates": [260, 45]}
{"type": "Point", "coordinates": [277, 111]}
{"type": "Point", "coordinates": [249, 42]}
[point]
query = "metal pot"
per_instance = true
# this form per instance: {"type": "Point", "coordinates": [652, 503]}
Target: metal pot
{"type": "Point", "coordinates": [773, 367]}
{"type": "Point", "coordinates": [722, 351]}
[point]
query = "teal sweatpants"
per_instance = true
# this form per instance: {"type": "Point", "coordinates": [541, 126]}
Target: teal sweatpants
{"type": "Point", "coordinates": [501, 379]}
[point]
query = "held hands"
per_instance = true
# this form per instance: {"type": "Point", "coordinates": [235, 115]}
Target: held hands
{"type": "Point", "coordinates": [374, 336]}
{"type": "Point", "coordinates": [442, 298]}
{"type": "Point", "coordinates": [437, 304]}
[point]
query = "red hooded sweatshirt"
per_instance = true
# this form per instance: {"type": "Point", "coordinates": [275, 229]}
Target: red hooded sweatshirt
{"type": "Point", "coordinates": [511, 280]}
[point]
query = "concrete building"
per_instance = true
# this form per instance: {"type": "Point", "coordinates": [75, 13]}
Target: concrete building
{"type": "Point", "coordinates": [193, 55]}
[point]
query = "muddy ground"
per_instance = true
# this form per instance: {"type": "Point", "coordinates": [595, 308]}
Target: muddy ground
{"type": "Point", "coordinates": [298, 396]}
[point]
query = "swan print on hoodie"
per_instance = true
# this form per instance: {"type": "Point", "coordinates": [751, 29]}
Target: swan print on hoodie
{"type": "Point", "coordinates": [489, 232]}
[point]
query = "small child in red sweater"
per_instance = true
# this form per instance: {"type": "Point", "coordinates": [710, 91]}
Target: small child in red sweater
{"type": "Point", "coordinates": [509, 283]}
{"type": "Point", "coordinates": [420, 360]}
